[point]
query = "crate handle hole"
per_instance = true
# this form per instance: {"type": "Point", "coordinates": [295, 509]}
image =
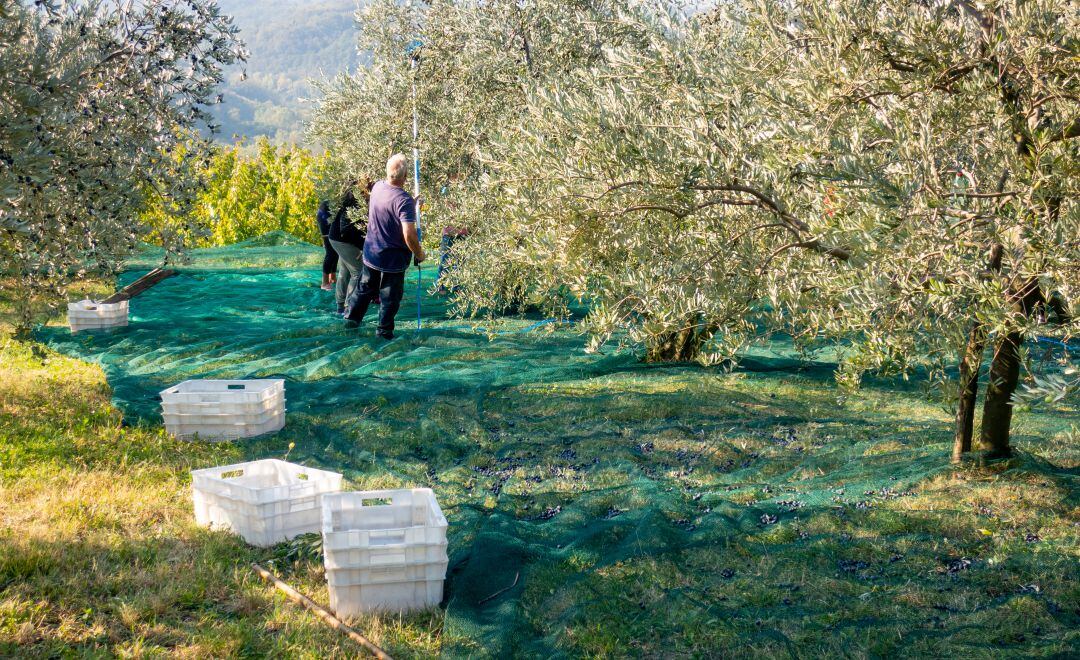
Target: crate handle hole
{"type": "Point", "coordinates": [232, 474]}
{"type": "Point", "coordinates": [237, 386]}
{"type": "Point", "coordinates": [302, 476]}
{"type": "Point", "coordinates": [376, 501]}
{"type": "Point", "coordinates": [388, 539]}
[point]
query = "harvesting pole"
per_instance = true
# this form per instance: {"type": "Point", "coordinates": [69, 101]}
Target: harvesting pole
{"type": "Point", "coordinates": [413, 49]}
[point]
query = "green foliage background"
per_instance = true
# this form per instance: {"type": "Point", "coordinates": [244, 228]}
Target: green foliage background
{"type": "Point", "coordinates": [245, 196]}
{"type": "Point", "coordinates": [700, 180]}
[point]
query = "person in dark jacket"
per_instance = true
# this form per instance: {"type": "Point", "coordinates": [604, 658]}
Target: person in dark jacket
{"type": "Point", "coordinates": [330, 258]}
{"type": "Point", "coordinates": [347, 238]}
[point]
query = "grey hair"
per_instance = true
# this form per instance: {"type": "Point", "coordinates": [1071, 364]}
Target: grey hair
{"type": "Point", "coordinates": [397, 168]}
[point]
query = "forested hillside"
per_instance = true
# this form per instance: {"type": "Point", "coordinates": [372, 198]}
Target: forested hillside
{"type": "Point", "coordinates": [290, 42]}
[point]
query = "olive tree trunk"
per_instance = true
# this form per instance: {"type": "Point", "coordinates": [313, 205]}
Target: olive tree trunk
{"type": "Point", "coordinates": [970, 363]}
{"type": "Point", "coordinates": [683, 345]}
{"type": "Point", "coordinates": [997, 408]}
{"type": "Point", "coordinates": [1005, 374]}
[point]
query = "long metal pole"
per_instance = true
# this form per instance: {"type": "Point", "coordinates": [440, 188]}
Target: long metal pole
{"type": "Point", "coordinates": [416, 191]}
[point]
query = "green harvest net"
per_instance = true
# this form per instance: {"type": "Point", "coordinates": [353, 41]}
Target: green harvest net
{"type": "Point", "coordinates": [563, 474]}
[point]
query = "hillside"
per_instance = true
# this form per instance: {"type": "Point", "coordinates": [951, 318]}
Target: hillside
{"type": "Point", "coordinates": [290, 42]}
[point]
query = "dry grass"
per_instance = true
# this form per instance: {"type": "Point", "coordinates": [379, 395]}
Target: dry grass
{"type": "Point", "coordinates": [99, 554]}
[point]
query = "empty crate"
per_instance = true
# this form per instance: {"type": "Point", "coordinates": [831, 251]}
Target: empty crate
{"type": "Point", "coordinates": [223, 409]}
{"type": "Point", "coordinates": [265, 502]}
{"type": "Point", "coordinates": [384, 550]}
{"type": "Point", "coordinates": [89, 315]}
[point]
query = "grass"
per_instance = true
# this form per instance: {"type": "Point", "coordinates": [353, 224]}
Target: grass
{"type": "Point", "coordinates": [673, 512]}
{"type": "Point", "coordinates": [98, 551]}
{"type": "Point", "coordinates": [99, 554]}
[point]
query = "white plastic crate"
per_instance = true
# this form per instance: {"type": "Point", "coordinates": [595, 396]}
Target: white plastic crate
{"type": "Point", "coordinates": [188, 419]}
{"type": "Point", "coordinates": [351, 600]}
{"type": "Point", "coordinates": [274, 403]}
{"type": "Point", "coordinates": [224, 409]}
{"type": "Point", "coordinates": [90, 310]}
{"type": "Point", "coordinates": [365, 520]}
{"type": "Point", "coordinates": [265, 502]}
{"type": "Point", "coordinates": [225, 431]}
{"type": "Point", "coordinates": [384, 550]}
{"type": "Point", "coordinates": [225, 393]}
{"type": "Point", "coordinates": [391, 554]}
{"type": "Point", "coordinates": [90, 315]}
{"type": "Point", "coordinates": [103, 327]}
{"type": "Point", "coordinates": [351, 577]}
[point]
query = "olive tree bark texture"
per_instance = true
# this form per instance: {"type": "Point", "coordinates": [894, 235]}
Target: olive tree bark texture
{"type": "Point", "coordinates": [1005, 374]}
{"type": "Point", "coordinates": [970, 363]}
{"type": "Point", "coordinates": [997, 408]}
{"type": "Point", "coordinates": [683, 345]}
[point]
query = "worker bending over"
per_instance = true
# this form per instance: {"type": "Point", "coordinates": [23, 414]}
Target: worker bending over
{"type": "Point", "coordinates": [391, 246]}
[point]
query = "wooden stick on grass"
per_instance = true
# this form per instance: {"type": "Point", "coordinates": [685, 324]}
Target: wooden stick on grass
{"type": "Point", "coordinates": [140, 285]}
{"type": "Point", "coordinates": [328, 618]}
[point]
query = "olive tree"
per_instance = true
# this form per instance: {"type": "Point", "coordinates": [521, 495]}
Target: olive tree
{"type": "Point", "coordinates": [98, 103]}
{"type": "Point", "coordinates": [472, 66]}
{"type": "Point", "coordinates": [895, 179]}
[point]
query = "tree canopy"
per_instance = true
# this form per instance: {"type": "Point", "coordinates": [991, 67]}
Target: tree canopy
{"type": "Point", "coordinates": [895, 180]}
{"type": "Point", "coordinates": [98, 101]}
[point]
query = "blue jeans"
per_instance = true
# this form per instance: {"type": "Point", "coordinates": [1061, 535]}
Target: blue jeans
{"type": "Point", "coordinates": [388, 287]}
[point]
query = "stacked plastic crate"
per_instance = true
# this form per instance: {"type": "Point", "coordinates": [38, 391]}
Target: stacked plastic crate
{"type": "Point", "coordinates": [90, 315]}
{"type": "Point", "coordinates": [384, 550]}
{"type": "Point", "coordinates": [266, 502]}
{"type": "Point", "coordinates": [223, 409]}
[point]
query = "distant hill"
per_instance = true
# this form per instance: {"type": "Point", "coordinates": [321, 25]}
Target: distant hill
{"type": "Point", "coordinates": [290, 42]}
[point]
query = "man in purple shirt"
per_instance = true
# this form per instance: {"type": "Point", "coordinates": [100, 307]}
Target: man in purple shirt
{"type": "Point", "coordinates": [391, 246]}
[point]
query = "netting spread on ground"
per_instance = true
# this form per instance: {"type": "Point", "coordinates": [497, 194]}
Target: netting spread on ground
{"type": "Point", "coordinates": [584, 491]}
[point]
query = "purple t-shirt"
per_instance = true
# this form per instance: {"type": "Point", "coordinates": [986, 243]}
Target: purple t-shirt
{"type": "Point", "coordinates": [385, 248]}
